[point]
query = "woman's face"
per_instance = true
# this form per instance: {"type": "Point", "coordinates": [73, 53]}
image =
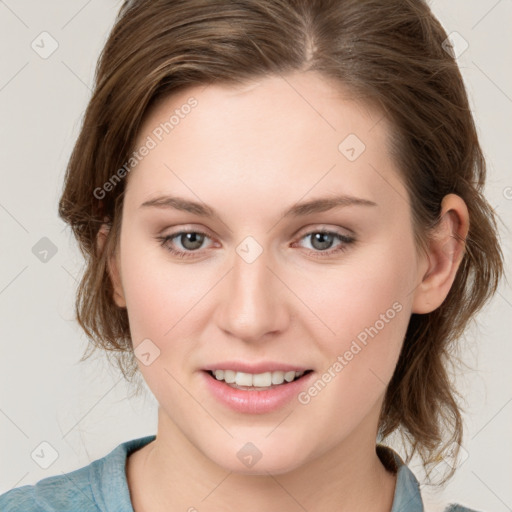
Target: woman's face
{"type": "Point", "coordinates": [255, 282]}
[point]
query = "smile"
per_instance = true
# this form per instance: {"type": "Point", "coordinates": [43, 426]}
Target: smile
{"type": "Point", "coordinates": [251, 381]}
{"type": "Point", "coordinates": [266, 392]}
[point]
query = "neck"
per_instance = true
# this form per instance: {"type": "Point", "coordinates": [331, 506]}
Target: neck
{"type": "Point", "coordinates": [170, 473]}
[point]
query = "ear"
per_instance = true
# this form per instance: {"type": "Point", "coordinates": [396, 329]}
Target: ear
{"type": "Point", "coordinates": [445, 252]}
{"type": "Point", "coordinates": [113, 265]}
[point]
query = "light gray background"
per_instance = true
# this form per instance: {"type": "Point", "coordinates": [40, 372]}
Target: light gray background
{"type": "Point", "coordinates": [80, 409]}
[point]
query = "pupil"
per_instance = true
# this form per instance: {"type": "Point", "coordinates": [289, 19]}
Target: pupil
{"type": "Point", "coordinates": [195, 239]}
{"type": "Point", "coordinates": [319, 240]}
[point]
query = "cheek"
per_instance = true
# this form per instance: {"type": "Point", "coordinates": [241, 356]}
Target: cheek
{"type": "Point", "coordinates": [160, 293]}
{"type": "Point", "coordinates": [364, 308]}
{"type": "Point", "coordinates": [353, 296]}
{"type": "Point", "coordinates": [162, 303]}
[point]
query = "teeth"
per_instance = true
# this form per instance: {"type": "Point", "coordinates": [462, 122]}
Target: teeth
{"type": "Point", "coordinates": [229, 376]}
{"type": "Point", "coordinates": [289, 376]}
{"type": "Point", "coordinates": [259, 380]}
{"type": "Point", "coordinates": [243, 379]}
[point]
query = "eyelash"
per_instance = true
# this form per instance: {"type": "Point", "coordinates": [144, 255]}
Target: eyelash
{"type": "Point", "coordinates": [346, 240]}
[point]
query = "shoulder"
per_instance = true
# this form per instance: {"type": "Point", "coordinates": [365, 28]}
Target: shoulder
{"type": "Point", "coordinates": [97, 487]}
{"type": "Point", "coordinates": [71, 491]}
{"type": "Point", "coordinates": [408, 495]}
{"type": "Point", "coordinates": [21, 498]}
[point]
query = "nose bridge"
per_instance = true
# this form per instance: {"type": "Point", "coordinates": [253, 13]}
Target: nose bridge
{"type": "Point", "coordinates": [253, 304]}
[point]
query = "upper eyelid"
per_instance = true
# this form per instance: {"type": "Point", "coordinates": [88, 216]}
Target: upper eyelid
{"type": "Point", "coordinates": [317, 228]}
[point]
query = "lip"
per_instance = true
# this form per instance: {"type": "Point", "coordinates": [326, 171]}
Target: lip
{"type": "Point", "coordinates": [261, 367]}
{"type": "Point", "coordinates": [255, 402]}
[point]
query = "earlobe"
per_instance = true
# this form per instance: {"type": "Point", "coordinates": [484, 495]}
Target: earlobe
{"type": "Point", "coordinates": [445, 252]}
{"type": "Point", "coordinates": [102, 241]}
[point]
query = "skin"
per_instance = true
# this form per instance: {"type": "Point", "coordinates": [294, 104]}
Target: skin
{"type": "Point", "coordinates": [250, 153]}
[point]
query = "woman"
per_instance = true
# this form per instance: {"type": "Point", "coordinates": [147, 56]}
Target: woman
{"type": "Point", "coordinates": [280, 203]}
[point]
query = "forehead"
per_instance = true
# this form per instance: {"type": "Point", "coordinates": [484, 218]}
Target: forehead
{"type": "Point", "coordinates": [272, 136]}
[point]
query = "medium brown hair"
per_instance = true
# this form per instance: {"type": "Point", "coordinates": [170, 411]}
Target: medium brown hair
{"type": "Point", "coordinates": [388, 53]}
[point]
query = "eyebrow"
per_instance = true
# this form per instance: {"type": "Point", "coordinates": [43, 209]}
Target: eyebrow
{"type": "Point", "coordinates": [300, 209]}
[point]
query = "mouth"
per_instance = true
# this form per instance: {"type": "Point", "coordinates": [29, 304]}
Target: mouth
{"type": "Point", "coordinates": [256, 382]}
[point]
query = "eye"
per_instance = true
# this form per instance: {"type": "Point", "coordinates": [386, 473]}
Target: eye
{"type": "Point", "coordinates": [321, 240]}
{"type": "Point", "coordinates": [190, 241]}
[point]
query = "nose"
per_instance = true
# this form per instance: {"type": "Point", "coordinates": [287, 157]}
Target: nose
{"type": "Point", "coordinates": [253, 302]}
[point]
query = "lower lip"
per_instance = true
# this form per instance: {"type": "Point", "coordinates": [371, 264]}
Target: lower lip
{"type": "Point", "coordinates": [255, 402]}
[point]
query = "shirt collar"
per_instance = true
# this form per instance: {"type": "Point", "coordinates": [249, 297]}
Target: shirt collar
{"type": "Point", "coordinates": [407, 495]}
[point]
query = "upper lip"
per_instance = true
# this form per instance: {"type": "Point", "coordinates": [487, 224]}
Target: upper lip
{"type": "Point", "coordinates": [255, 368]}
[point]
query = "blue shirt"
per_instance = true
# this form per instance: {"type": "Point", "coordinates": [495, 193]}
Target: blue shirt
{"type": "Point", "coordinates": [102, 487]}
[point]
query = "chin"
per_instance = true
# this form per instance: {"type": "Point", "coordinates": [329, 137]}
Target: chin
{"type": "Point", "coordinates": [257, 458]}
